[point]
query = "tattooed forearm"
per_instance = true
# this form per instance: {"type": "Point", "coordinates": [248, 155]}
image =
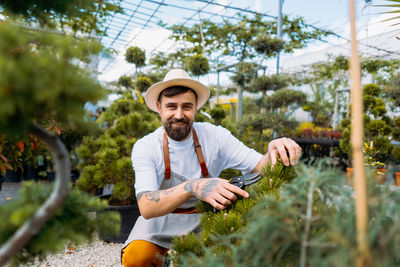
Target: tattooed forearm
{"type": "Point", "coordinates": [155, 195]}
{"type": "Point", "coordinates": [201, 188]}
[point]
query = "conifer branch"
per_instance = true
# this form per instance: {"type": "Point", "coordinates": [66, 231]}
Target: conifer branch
{"type": "Point", "coordinates": [307, 226]}
{"type": "Point", "coordinates": [60, 192]}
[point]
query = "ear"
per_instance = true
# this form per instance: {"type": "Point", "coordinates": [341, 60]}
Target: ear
{"type": "Point", "coordinates": [158, 104]}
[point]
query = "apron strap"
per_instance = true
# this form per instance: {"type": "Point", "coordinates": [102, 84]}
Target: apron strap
{"type": "Point", "coordinates": [167, 164]}
{"type": "Point", "coordinates": [199, 152]}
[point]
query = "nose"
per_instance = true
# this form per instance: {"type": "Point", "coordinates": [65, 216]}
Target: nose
{"type": "Point", "coordinates": [179, 113]}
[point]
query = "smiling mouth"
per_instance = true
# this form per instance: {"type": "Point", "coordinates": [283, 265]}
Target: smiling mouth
{"type": "Point", "coordinates": [179, 123]}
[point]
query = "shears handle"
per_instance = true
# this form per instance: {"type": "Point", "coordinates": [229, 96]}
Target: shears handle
{"type": "Point", "coordinates": [237, 181]}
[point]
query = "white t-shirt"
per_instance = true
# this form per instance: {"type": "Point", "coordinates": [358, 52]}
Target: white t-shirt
{"type": "Point", "coordinates": [221, 151]}
{"type": "Point", "coordinates": [220, 148]}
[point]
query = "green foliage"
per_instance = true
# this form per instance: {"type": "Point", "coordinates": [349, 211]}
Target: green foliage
{"type": "Point", "coordinates": [284, 98]}
{"type": "Point", "coordinates": [106, 159]}
{"type": "Point", "coordinates": [245, 72]}
{"type": "Point", "coordinates": [377, 126]}
{"type": "Point", "coordinates": [72, 223]}
{"type": "Point", "coordinates": [198, 65]}
{"type": "Point", "coordinates": [217, 113]}
{"type": "Point", "coordinates": [160, 60]}
{"type": "Point", "coordinates": [54, 77]}
{"type": "Point", "coordinates": [268, 46]}
{"type": "Point", "coordinates": [143, 83]}
{"type": "Point", "coordinates": [76, 15]}
{"type": "Point", "coordinates": [264, 123]}
{"type": "Point", "coordinates": [396, 128]}
{"type": "Point", "coordinates": [271, 82]}
{"type": "Point", "coordinates": [136, 56]}
{"type": "Point", "coordinates": [125, 81]}
{"type": "Point", "coordinates": [256, 137]}
{"type": "Point", "coordinates": [309, 222]}
{"type": "Point", "coordinates": [216, 226]}
{"type": "Point", "coordinates": [241, 39]}
{"type": "Point", "coordinates": [392, 90]}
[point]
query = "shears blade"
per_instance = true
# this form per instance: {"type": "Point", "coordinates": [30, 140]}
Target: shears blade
{"type": "Point", "coordinates": [245, 180]}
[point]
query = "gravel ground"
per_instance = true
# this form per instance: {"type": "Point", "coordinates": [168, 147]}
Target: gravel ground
{"type": "Point", "coordinates": [97, 254]}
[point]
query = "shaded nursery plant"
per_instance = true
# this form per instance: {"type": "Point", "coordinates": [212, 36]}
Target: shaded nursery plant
{"type": "Point", "coordinates": [377, 124]}
{"type": "Point", "coordinates": [307, 222]}
{"type": "Point", "coordinates": [106, 160]}
{"type": "Point", "coordinates": [59, 91]}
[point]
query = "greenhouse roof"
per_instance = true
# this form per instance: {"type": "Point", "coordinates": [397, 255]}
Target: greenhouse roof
{"type": "Point", "coordinates": [143, 24]}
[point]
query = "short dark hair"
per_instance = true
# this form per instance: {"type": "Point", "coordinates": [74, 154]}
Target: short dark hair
{"type": "Point", "coordinates": [175, 90]}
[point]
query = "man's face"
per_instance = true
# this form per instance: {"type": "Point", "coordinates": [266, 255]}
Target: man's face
{"type": "Point", "coordinates": [177, 114]}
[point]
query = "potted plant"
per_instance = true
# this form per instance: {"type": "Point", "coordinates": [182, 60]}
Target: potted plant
{"type": "Point", "coordinates": [377, 125]}
{"type": "Point", "coordinates": [105, 160]}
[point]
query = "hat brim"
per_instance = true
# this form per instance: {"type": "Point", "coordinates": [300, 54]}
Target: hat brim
{"type": "Point", "coordinates": [151, 96]}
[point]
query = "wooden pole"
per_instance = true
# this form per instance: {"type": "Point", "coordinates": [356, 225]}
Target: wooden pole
{"type": "Point", "coordinates": [357, 134]}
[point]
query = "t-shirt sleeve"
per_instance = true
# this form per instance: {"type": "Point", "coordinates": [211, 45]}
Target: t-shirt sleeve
{"type": "Point", "coordinates": [145, 168]}
{"type": "Point", "coordinates": [234, 154]}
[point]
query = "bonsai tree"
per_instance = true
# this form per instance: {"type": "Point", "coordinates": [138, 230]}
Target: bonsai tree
{"type": "Point", "coordinates": [377, 125]}
{"type": "Point", "coordinates": [268, 83]}
{"type": "Point", "coordinates": [136, 56]}
{"type": "Point", "coordinates": [198, 65]}
{"type": "Point", "coordinates": [106, 159]}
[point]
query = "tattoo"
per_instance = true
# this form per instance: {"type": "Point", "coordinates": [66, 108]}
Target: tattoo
{"type": "Point", "coordinates": [189, 186]}
{"type": "Point", "coordinates": [155, 195]}
{"type": "Point", "coordinates": [193, 186]}
{"type": "Point", "coordinates": [139, 195]}
{"type": "Point", "coordinates": [208, 188]}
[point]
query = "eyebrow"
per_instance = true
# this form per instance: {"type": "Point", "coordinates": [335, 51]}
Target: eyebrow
{"type": "Point", "coordinates": [175, 103]}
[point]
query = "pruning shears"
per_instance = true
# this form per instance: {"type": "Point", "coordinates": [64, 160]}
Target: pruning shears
{"type": "Point", "coordinates": [245, 180]}
{"type": "Point", "coordinates": [242, 181]}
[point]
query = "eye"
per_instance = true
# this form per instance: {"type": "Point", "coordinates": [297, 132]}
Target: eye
{"type": "Point", "coordinates": [187, 107]}
{"type": "Point", "coordinates": [171, 107]}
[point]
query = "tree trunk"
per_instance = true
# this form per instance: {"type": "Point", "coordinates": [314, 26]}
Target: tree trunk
{"type": "Point", "coordinates": [60, 192]}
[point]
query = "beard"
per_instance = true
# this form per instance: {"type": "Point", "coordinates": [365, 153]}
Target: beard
{"type": "Point", "coordinates": [178, 133]}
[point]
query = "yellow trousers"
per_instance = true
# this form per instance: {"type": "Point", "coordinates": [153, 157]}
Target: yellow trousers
{"type": "Point", "coordinates": [142, 253]}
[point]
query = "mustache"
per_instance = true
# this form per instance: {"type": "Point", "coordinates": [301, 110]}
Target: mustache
{"type": "Point", "coordinates": [173, 120]}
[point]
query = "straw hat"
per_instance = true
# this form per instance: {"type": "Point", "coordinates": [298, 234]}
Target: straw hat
{"type": "Point", "coordinates": [176, 77]}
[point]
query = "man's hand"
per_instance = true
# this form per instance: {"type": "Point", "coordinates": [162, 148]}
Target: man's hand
{"type": "Point", "coordinates": [280, 147]}
{"type": "Point", "coordinates": [219, 193]}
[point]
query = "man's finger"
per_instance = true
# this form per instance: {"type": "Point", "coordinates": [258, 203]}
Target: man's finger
{"type": "Point", "coordinates": [282, 153]}
{"type": "Point", "coordinates": [228, 195]}
{"type": "Point", "coordinates": [292, 151]}
{"type": "Point", "coordinates": [234, 189]}
{"type": "Point", "coordinates": [216, 205]}
{"type": "Point", "coordinates": [272, 152]}
{"type": "Point", "coordinates": [222, 200]}
{"type": "Point", "coordinates": [298, 152]}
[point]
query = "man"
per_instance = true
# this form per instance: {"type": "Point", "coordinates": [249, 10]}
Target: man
{"type": "Point", "coordinates": [172, 163]}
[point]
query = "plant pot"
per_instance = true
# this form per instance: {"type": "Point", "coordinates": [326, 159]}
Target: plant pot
{"type": "Point", "coordinates": [30, 173]}
{"type": "Point", "coordinates": [50, 176]}
{"type": "Point", "coordinates": [380, 178]}
{"type": "Point", "coordinates": [2, 178]}
{"type": "Point", "coordinates": [397, 178]}
{"type": "Point", "coordinates": [13, 176]}
{"type": "Point", "coordinates": [129, 215]}
{"type": "Point", "coordinates": [349, 172]}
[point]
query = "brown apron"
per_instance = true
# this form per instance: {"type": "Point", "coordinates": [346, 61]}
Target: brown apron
{"type": "Point", "coordinates": [167, 165]}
